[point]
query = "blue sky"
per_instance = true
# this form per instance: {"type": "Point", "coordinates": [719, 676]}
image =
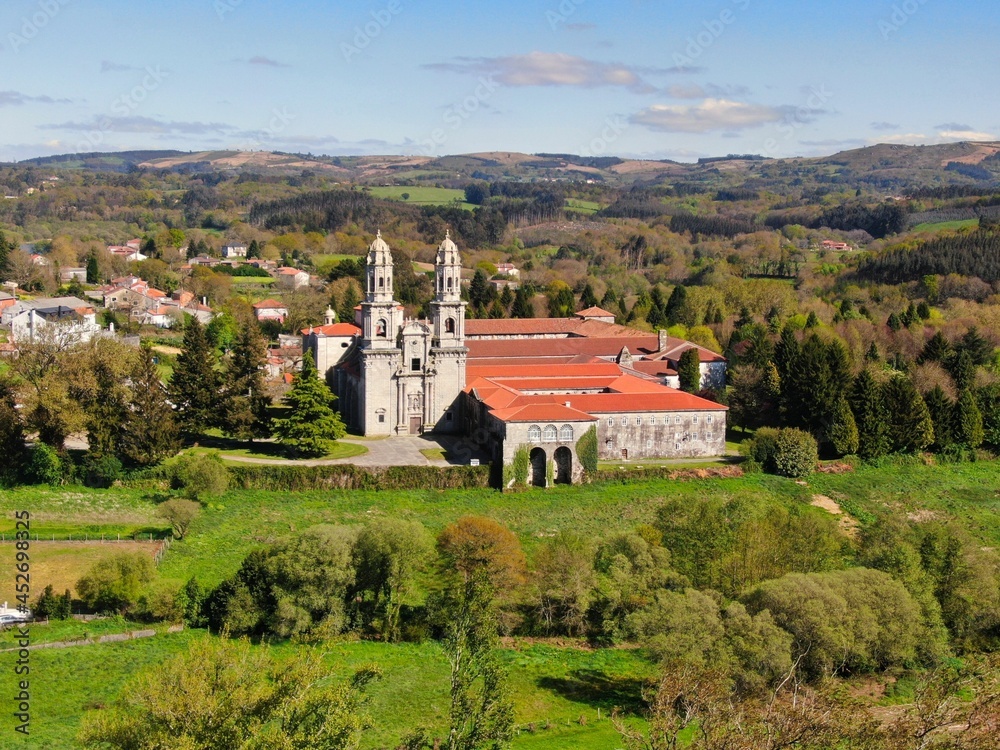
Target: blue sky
{"type": "Point", "coordinates": [640, 78]}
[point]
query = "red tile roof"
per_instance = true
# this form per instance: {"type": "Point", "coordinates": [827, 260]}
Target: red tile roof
{"type": "Point", "coordinates": [269, 304]}
{"type": "Point", "coordinates": [595, 312]}
{"type": "Point", "coordinates": [520, 326]}
{"type": "Point", "coordinates": [543, 413]}
{"type": "Point", "coordinates": [600, 347]}
{"type": "Point", "coordinates": [335, 329]}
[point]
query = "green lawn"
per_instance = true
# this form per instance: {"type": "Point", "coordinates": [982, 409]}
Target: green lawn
{"type": "Point", "coordinates": [228, 447]}
{"type": "Point", "coordinates": [253, 280]}
{"type": "Point", "coordinates": [582, 207]}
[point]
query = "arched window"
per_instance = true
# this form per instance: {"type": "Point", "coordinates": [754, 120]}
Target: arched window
{"type": "Point", "coordinates": [550, 433]}
{"type": "Point", "coordinates": [449, 282]}
{"type": "Point", "coordinates": [380, 329]}
{"type": "Point", "coordinates": [565, 434]}
{"type": "Point", "coordinates": [534, 434]}
{"type": "Point", "coordinates": [449, 325]}
{"type": "Point", "coordinates": [381, 282]}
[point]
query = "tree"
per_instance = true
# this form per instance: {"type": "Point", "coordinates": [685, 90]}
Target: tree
{"type": "Point", "coordinates": [565, 580]}
{"type": "Point", "coordinates": [253, 250]}
{"type": "Point", "coordinates": [312, 426]}
{"type": "Point", "coordinates": [522, 304]}
{"type": "Point", "coordinates": [195, 384]}
{"type": "Point", "coordinates": [979, 349]}
{"type": "Point", "coordinates": [481, 293]}
{"type": "Point", "coordinates": [93, 270]}
{"type": "Point", "coordinates": [909, 424]}
{"type": "Point", "coordinates": [246, 403]}
{"type": "Point", "coordinates": [937, 349]}
{"type": "Point", "coordinates": [676, 307]}
{"type": "Point", "coordinates": [231, 695]}
{"type": "Point", "coordinates": [844, 430]}
{"type": "Point", "coordinates": [942, 411]}
{"type": "Point", "coordinates": [115, 583]}
{"type": "Point", "coordinates": [963, 370]}
{"type": "Point", "coordinates": [149, 433]}
{"type": "Point", "coordinates": [689, 370]}
{"type": "Point", "coordinates": [352, 296]}
{"type": "Point", "coordinates": [481, 558]}
{"type": "Point", "coordinates": [11, 435]}
{"type": "Point", "coordinates": [870, 416]}
{"type": "Point", "coordinates": [387, 556]}
{"type": "Point", "coordinates": [179, 513]}
{"type": "Point", "coordinates": [968, 420]}
{"type": "Point", "coordinates": [202, 476]}
{"type": "Point", "coordinates": [753, 396]}
{"type": "Point", "coordinates": [587, 297]}
{"type": "Point", "coordinates": [6, 248]}
{"type": "Point", "coordinates": [562, 303]}
{"type": "Point", "coordinates": [815, 381]}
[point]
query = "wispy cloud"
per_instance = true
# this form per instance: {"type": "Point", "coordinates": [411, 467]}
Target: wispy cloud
{"type": "Point", "coordinates": [966, 135]}
{"type": "Point", "coordinates": [715, 114]}
{"type": "Point", "coordinates": [109, 66]}
{"type": "Point", "coordinates": [836, 142]}
{"type": "Point", "coordinates": [954, 126]}
{"type": "Point", "coordinates": [262, 60]}
{"type": "Point", "coordinates": [18, 99]}
{"type": "Point", "coordinates": [902, 138]}
{"type": "Point", "coordinates": [142, 125]}
{"type": "Point", "coordinates": [885, 126]}
{"type": "Point", "coordinates": [553, 69]}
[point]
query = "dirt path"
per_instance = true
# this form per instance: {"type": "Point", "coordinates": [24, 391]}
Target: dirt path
{"type": "Point", "coordinates": [848, 524]}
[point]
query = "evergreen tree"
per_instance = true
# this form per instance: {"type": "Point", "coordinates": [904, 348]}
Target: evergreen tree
{"type": "Point", "coordinates": [253, 250]}
{"type": "Point", "coordinates": [588, 298]}
{"type": "Point", "coordinates": [870, 416]}
{"type": "Point", "coordinates": [93, 271]}
{"type": "Point", "coordinates": [937, 349]}
{"type": "Point", "coordinates": [149, 434]}
{"type": "Point", "coordinates": [840, 365]}
{"type": "Point", "coordinates": [988, 399]}
{"type": "Point", "coordinates": [810, 390]}
{"type": "Point", "coordinates": [11, 434]}
{"type": "Point", "coordinates": [149, 248]}
{"type": "Point", "coordinates": [910, 427]}
{"type": "Point", "coordinates": [195, 385]}
{"type": "Point", "coordinates": [609, 299]}
{"type": "Point", "coordinates": [506, 299]}
{"type": "Point", "coordinates": [6, 248]}
{"type": "Point", "coordinates": [979, 349]}
{"type": "Point", "coordinates": [812, 321]}
{"type": "Point", "coordinates": [963, 370]}
{"type": "Point", "coordinates": [844, 430]}
{"type": "Point", "coordinates": [942, 411]}
{"type": "Point", "coordinates": [689, 370]}
{"type": "Point", "coordinates": [924, 311]}
{"type": "Point", "coordinates": [522, 305]}
{"type": "Point", "coordinates": [968, 421]}
{"type": "Point", "coordinates": [786, 351]}
{"type": "Point", "coordinates": [312, 425]}
{"type": "Point", "coordinates": [873, 355]}
{"type": "Point", "coordinates": [894, 322]}
{"type": "Point", "coordinates": [246, 403]}
{"type": "Point", "coordinates": [352, 296]}
{"type": "Point", "coordinates": [479, 290]}
{"type": "Point", "coordinates": [675, 309]}
{"type": "Point", "coordinates": [497, 310]}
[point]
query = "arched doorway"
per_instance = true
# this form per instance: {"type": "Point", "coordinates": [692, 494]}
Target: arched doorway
{"type": "Point", "coordinates": [538, 459]}
{"type": "Point", "coordinates": [564, 465]}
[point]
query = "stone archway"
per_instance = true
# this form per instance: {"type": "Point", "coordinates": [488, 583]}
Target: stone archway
{"type": "Point", "coordinates": [538, 460]}
{"type": "Point", "coordinates": [563, 458]}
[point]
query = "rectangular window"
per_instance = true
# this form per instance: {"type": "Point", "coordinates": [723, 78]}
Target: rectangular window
{"type": "Point", "coordinates": [415, 364]}
{"type": "Point", "coordinates": [708, 436]}
{"type": "Point", "coordinates": [649, 443]}
{"type": "Point", "coordinates": [709, 419]}
{"type": "Point", "coordinates": [447, 416]}
{"type": "Point", "coordinates": [624, 421]}
{"type": "Point", "coordinates": [694, 435]}
{"type": "Point", "coordinates": [694, 420]}
{"type": "Point", "coordinates": [677, 420]}
{"type": "Point", "coordinates": [652, 420]}
{"type": "Point", "coordinates": [611, 421]}
{"type": "Point", "coordinates": [638, 420]}
{"type": "Point", "coordinates": [381, 417]}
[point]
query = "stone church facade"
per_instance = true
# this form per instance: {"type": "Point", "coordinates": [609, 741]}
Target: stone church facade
{"type": "Point", "coordinates": [405, 377]}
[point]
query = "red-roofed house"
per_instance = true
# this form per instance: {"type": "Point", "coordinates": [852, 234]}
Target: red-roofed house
{"type": "Point", "coordinates": [329, 343]}
{"type": "Point", "coordinates": [292, 278]}
{"type": "Point", "coordinates": [270, 309]}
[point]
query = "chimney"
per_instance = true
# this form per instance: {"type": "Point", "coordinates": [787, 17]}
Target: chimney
{"type": "Point", "coordinates": [567, 404]}
{"type": "Point", "coordinates": [662, 340]}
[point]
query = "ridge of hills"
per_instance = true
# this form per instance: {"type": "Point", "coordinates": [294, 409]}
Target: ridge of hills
{"type": "Point", "coordinates": [887, 165]}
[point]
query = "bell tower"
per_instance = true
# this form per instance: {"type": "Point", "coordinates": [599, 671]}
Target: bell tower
{"type": "Point", "coordinates": [449, 350]}
{"type": "Point", "coordinates": [380, 355]}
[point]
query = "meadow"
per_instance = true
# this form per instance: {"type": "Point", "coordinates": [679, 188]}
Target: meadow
{"type": "Point", "coordinates": [563, 690]}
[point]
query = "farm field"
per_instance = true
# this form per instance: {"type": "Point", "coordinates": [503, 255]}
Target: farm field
{"type": "Point", "coordinates": [941, 226]}
{"type": "Point", "coordinates": [423, 196]}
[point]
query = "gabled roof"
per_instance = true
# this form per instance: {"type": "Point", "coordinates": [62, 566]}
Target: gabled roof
{"type": "Point", "coordinates": [334, 329]}
{"type": "Point", "coordinates": [286, 271]}
{"type": "Point", "coordinates": [543, 413]}
{"type": "Point", "coordinates": [270, 304]}
{"type": "Point", "coordinates": [595, 312]}
{"type": "Point", "coordinates": [599, 347]}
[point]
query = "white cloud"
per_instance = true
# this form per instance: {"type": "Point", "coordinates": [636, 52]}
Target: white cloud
{"type": "Point", "coordinates": [551, 69]}
{"type": "Point", "coordinates": [17, 99]}
{"type": "Point", "coordinates": [966, 135]}
{"type": "Point", "coordinates": [709, 115]}
{"type": "Point", "coordinates": [680, 91]}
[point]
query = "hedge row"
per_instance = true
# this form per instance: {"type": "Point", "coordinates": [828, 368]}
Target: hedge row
{"type": "Point", "coordinates": [628, 476]}
{"type": "Point", "coordinates": [350, 477]}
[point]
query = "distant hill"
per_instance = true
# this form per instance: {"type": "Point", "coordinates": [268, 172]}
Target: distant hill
{"type": "Point", "coordinates": [885, 167]}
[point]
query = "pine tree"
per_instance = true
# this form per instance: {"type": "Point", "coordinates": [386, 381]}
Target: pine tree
{"type": "Point", "coordinates": [479, 290]}
{"type": "Point", "coordinates": [963, 370]}
{"type": "Point", "coordinates": [924, 311]}
{"type": "Point", "coordinates": [676, 304]}
{"type": "Point", "coordinates": [11, 433]}
{"type": "Point", "coordinates": [937, 349]}
{"type": "Point", "coordinates": [608, 299]}
{"type": "Point", "coordinates": [93, 270]}
{"type": "Point", "coordinates": [870, 416]}
{"type": "Point", "coordinates": [246, 403]}
{"type": "Point", "coordinates": [506, 298]}
{"type": "Point", "coordinates": [352, 296]}
{"type": "Point", "coordinates": [910, 427]}
{"type": "Point", "coordinates": [588, 298]}
{"type": "Point", "coordinates": [873, 355]}
{"type": "Point", "coordinates": [149, 248]}
{"type": "Point", "coordinates": [522, 305]}
{"type": "Point", "coordinates": [689, 370]}
{"type": "Point", "coordinates": [312, 425]}
{"type": "Point", "coordinates": [195, 385]}
{"type": "Point", "coordinates": [844, 430]}
{"type": "Point", "coordinates": [149, 434]}
{"type": "Point", "coordinates": [942, 411]}
{"type": "Point", "coordinates": [810, 389]}
{"type": "Point", "coordinates": [894, 322]}
{"type": "Point", "coordinates": [6, 248]}
{"type": "Point", "coordinates": [497, 310]}
{"type": "Point", "coordinates": [786, 351]}
{"type": "Point", "coordinates": [979, 349]}
{"type": "Point", "coordinates": [812, 321]}
{"type": "Point", "coordinates": [253, 250]}
{"type": "Point", "coordinates": [968, 420]}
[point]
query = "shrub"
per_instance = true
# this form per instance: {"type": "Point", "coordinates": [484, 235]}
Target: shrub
{"type": "Point", "coordinates": [202, 476]}
{"type": "Point", "coordinates": [102, 471]}
{"type": "Point", "coordinates": [787, 452]}
{"type": "Point", "coordinates": [179, 513]}
{"type": "Point", "coordinates": [52, 606]}
{"type": "Point", "coordinates": [349, 477]}
{"type": "Point", "coordinates": [44, 465]}
{"type": "Point", "coordinates": [116, 583]}
{"type": "Point", "coordinates": [586, 450]}
{"type": "Point", "coordinates": [517, 472]}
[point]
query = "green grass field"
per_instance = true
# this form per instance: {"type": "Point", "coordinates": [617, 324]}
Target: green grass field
{"type": "Point", "coordinates": [228, 448]}
{"type": "Point", "coordinates": [582, 207]}
{"type": "Point", "coordinates": [243, 281]}
{"type": "Point", "coordinates": [942, 226]}
{"type": "Point", "coordinates": [554, 686]}
{"type": "Point", "coordinates": [423, 196]}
